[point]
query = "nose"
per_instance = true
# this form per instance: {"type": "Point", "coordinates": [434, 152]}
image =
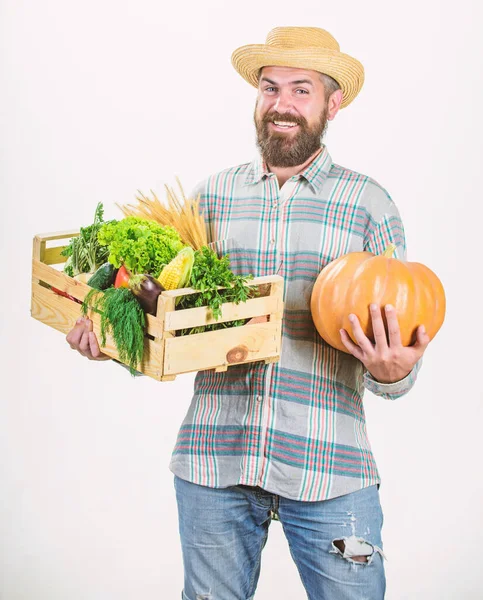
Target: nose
{"type": "Point", "coordinates": [283, 102]}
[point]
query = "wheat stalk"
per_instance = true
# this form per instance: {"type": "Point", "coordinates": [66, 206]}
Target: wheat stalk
{"type": "Point", "coordinates": [183, 215]}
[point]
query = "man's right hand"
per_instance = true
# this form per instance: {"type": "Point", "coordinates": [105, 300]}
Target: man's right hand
{"type": "Point", "coordinates": [83, 339]}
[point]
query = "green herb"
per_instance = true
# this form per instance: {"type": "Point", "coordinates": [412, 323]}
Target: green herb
{"type": "Point", "coordinates": [213, 327]}
{"type": "Point", "coordinates": [84, 253]}
{"type": "Point", "coordinates": [208, 274]}
{"type": "Point", "coordinates": [142, 245]}
{"type": "Point", "coordinates": [123, 317]}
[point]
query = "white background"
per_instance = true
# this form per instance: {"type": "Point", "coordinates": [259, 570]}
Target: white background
{"type": "Point", "coordinates": [102, 98]}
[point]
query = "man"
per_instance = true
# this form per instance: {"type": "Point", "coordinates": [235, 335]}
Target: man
{"type": "Point", "coordinates": [288, 440]}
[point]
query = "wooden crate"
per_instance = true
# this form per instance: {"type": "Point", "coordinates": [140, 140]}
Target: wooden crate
{"type": "Point", "coordinates": [165, 354]}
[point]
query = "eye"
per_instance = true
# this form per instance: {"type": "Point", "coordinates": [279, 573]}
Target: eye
{"type": "Point", "coordinates": [270, 89]}
{"type": "Point", "coordinates": [302, 91]}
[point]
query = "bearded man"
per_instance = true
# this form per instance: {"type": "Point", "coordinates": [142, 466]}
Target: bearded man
{"type": "Point", "coordinates": [287, 440]}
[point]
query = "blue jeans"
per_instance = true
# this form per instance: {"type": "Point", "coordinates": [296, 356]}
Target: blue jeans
{"type": "Point", "coordinates": [336, 544]}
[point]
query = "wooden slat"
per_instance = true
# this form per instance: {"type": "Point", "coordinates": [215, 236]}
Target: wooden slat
{"type": "Point", "coordinates": [61, 314]}
{"type": "Point", "coordinates": [38, 252]}
{"type": "Point", "coordinates": [79, 290]}
{"type": "Point", "coordinates": [225, 347]}
{"type": "Point", "coordinates": [276, 292]}
{"type": "Point", "coordinates": [265, 279]}
{"type": "Point", "coordinates": [59, 280]}
{"type": "Point", "coordinates": [159, 340]}
{"type": "Point", "coordinates": [57, 235]}
{"type": "Point", "coordinates": [38, 249]}
{"type": "Point", "coordinates": [195, 317]}
{"type": "Point", "coordinates": [165, 305]}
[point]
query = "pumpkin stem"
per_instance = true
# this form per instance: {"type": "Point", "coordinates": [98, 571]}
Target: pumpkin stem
{"type": "Point", "coordinates": [389, 251]}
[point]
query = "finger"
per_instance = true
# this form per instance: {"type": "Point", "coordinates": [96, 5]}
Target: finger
{"type": "Point", "coordinates": [75, 334]}
{"type": "Point", "coordinates": [378, 328]}
{"type": "Point", "coordinates": [94, 346]}
{"type": "Point", "coordinates": [349, 344]}
{"type": "Point", "coordinates": [89, 325]}
{"type": "Point", "coordinates": [362, 340]}
{"type": "Point", "coordinates": [422, 339]}
{"type": "Point", "coordinates": [94, 352]}
{"type": "Point", "coordinates": [84, 348]}
{"type": "Point", "coordinates": [393, 326]}
{"type": "Point", "coordinates": [254, 320]}
{"type": "Point", "coordinates": [86, 341]}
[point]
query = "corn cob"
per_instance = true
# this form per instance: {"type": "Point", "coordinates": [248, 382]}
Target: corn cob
{"type": "Point", "coordinates": [177, 273]}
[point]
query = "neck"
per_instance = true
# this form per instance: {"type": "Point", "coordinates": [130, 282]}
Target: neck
{"type": "Point", "coordinates": [284, 173]}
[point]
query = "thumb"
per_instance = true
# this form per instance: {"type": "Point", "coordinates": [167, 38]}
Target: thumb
{"type": "Point", "coordinates": [422, 338]}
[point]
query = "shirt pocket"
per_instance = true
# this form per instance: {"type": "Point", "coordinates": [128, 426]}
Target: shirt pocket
{"type": "Point", "coordinates": [223, 246]}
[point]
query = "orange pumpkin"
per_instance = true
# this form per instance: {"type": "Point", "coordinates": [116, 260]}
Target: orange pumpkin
{"type": "Point", "coordinates": [352, 282]}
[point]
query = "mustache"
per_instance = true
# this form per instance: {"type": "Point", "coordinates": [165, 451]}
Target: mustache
{"type": "Point", "coordinates": [276, 116]}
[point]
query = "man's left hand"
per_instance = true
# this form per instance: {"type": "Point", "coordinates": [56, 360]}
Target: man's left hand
{"type": "Point", "coordinates": [386, 360]}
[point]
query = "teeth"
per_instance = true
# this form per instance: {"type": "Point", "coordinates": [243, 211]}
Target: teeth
{"type": "Point", "coordinates": [285, 124]}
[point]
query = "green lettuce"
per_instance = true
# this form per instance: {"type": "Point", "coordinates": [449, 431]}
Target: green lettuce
{"type": "Point", "coordinates": [142, 245]}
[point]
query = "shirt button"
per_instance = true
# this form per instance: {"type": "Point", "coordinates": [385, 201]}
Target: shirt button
{"type": "Point", "coordinates": [272, 241]}
{"type": "Point", "coordinates": [259, 398]}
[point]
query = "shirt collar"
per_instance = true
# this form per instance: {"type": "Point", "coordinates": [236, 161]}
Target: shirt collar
{"type": "Point", "coordinates": [315, 173]}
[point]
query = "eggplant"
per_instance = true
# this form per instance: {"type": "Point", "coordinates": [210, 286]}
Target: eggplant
{"type": "Point", "coordinates": [146, 289]}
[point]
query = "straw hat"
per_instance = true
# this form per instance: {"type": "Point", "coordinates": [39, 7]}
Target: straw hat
{"type": "Point", "coordinates": [303, 48]}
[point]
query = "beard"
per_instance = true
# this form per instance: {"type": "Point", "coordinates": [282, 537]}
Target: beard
{"type": "Point", "coordinates": [284, 149]}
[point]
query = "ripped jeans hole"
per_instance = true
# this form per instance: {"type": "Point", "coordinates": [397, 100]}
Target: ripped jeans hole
{"type": "Point", "coordinates": [355, 550]}
{"type": "Point", "coordinates": [203, 596]}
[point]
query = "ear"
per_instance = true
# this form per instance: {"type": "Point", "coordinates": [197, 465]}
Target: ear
{"type": "Point", "coordinates": [333, 105]}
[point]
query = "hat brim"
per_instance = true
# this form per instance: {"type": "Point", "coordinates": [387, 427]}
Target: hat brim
{"type": "Point", "coordinates": [347, 71]}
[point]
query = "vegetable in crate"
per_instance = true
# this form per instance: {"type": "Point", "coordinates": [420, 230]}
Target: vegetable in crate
{"type": "Point", "coordinates": [122, 278]}
{"type": "Point", "coordinates": [141, 245]}
{"type": "Point", "coordinates": [123, 314]}
{"type": "Point", "coordinates": [146, 289]}
{"type": "Point", "coordinates": [123, 317]}
{"type": "Point", "coordinates": [209, 273]}
{"type": "Point", "coordinates": [104, 277]}
{"type": "Point", "coordinates": [177, 273]}
{"type": "Point", "coordinates": [84, 253]}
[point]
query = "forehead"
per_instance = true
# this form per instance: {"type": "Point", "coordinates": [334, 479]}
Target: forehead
{"type": "Point", "coordinates": [288, 74]}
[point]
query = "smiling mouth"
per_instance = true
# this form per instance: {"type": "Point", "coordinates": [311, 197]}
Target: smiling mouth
{"type": "Point", "coordinates": [283, 125]}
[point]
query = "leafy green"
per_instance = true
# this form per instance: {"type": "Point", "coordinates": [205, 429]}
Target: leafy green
{"type": "Point", "coordinates": [142, 245]}
{"type": "Point", "coordinates": [84, 253]}
{"type": "Point", "coordinates": [208, 274]}
{"type": "Point", "coordinates": [123, 317]}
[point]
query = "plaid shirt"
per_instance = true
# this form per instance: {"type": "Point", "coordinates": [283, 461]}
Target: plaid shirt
{"type": "Point", "coordinates": [297, 427]}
